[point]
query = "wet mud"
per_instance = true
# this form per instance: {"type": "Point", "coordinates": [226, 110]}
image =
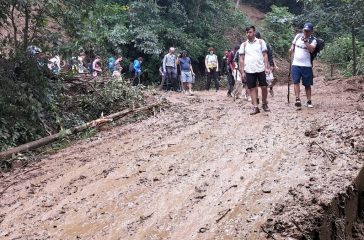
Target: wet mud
{"type": "Point", "coordinates": [203, 168]}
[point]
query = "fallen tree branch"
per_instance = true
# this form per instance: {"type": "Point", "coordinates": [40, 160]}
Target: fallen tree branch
{"type": "Point", "coordinates": [233, 186]}
{"type": "Point", "coordinates": [223, 215]}
{"type": "Point", "coordinates": [93, 124]}
{"type": "Point", "coordinates": [326, 153]}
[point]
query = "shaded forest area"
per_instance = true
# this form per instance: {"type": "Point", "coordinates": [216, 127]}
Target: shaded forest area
{"type": "Point", "coordinates": [35, 103]}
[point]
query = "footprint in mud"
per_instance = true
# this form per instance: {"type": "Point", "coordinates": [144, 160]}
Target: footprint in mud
{"type": "Point", "coordinates": [75, 185]}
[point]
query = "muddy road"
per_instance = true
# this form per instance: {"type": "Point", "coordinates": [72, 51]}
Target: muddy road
{"type": "Point", "coordinates": [202, 169]}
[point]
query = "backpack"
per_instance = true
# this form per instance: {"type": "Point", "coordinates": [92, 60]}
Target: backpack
{"type": "Point", "coordinates": [270, 55]}
{"type": "Point", "coordinates": [131, 67]}
{"type": "Point", "coordinates": [111, 64]}
{"type": "Point", "coordinates": [319, 46]}
{"type": "Point", "coordinates": [90, 68]}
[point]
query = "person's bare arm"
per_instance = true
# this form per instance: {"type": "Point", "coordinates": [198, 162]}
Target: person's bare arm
{"type": "Point", "coordinates": [241, 64]}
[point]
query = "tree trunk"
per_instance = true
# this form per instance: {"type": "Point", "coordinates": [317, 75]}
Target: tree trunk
{"type": "Point", "coordinates": [27, 10]}
{"type": "Point", "coordinates": [354, 49]}
{"type": "Point", "coordinates": [93, 124]}
{"type": "Point", "coordinates": [198, 6]}
{"type": "Point", "coordinates": [15, 29]}
{"type": "Point", "coordinates": [237, 5]}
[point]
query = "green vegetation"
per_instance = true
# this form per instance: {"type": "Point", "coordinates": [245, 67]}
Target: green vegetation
{"type": "Point", "coordinates": [278, 28]}
{"type": "Point", "coordinates": [33, 103]}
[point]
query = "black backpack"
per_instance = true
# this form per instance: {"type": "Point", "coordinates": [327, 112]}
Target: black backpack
{"type": "Point", "coordinates": [131, 67]}
{"type": "Point", "coordinates": [319, 46]}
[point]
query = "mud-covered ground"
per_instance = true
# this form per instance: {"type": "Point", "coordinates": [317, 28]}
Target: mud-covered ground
{"type": "Point", "coordinates": [202, 169]}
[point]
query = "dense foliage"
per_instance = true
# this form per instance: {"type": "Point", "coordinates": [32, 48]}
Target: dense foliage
{"type": "Point", "coordinates": [33, 105]}
{"type": "Point", "coordinates": [295, 7]}
{"type": "Point", "coordinates": [278, 28]}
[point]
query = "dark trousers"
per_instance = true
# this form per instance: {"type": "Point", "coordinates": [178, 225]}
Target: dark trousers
{"type": "Point", "coordinates": [231, 81]}
{"type": "Point", "coordinates": [212, 75]}
{"type": "Point", "coordinates": [171, 78]}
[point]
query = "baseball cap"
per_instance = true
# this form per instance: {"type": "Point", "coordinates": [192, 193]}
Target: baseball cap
{"type": "Point", "coordinates": [308, 26]}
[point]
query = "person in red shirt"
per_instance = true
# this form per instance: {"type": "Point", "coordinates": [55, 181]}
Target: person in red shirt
{"type": "Point", "coordinates": [231, 65]}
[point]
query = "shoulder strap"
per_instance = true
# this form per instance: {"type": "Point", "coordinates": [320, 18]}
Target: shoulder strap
{"type": "Point", "coordinates": [297, 37]}
{"type": "Point", "coordinates": [261, 44]}
{"type": "Point", "coordinates": [310, 40]}
{"type": "Point", "coordinates": [244, 46]}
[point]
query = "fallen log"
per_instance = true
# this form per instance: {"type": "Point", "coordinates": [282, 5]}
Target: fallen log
{"type": "Point", "coordinates": [93, 124]}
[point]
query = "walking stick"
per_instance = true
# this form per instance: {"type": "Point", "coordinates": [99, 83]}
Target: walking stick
{"type": "Point", "coordinates": [289, 76]}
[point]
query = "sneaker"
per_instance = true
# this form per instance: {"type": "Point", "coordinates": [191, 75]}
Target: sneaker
{"type": "Point", "coordinates": [309, 104]}
{"type": "Point", "coordinates": [298, 103]}
{"type": "Point", "coordinates": [229, 95]}
{"type": "Point", "coordinates": [255, 111]}
{"type": "Point", "coordinates": [271, 92]}
{"type": "Point", "coordinates": [190, 92]}
{"type": "Point", "coordinates": [249, 98]}
{"type": "Point", "coordinates": [265, 107]}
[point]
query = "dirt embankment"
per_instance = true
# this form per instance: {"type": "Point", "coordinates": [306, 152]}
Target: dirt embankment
{"type": "Point", "coordinates": [202, 169]}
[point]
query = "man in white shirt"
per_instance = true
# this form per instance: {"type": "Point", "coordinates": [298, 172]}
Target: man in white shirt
{"type": "Point", "coordinates": [254, 67]}
{"type": "Point", "coordinates": [302, 47]}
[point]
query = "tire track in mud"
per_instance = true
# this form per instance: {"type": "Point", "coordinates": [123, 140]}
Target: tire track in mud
{"type": "Point", "coordinates": [202, 169]}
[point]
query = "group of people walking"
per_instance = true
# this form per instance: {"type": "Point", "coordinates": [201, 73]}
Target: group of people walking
{"type": "Point", "coordinates": [249, 65]}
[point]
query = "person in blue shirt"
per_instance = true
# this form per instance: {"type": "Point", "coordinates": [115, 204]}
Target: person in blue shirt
{"type": "Point", "coordinates": [187, 74]}
{"type": "Point", "coordinates": [137, 65]}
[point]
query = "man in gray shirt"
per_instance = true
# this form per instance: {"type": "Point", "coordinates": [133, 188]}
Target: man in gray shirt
{"type": "Point", "coordinates": [170, 69]}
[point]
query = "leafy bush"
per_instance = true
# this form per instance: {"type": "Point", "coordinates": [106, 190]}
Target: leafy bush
{"type": "Point", "coordinates": [114, 96]}
{"type": "Point", "coordinates": [340, 53]}
{"type": "Point", "coordinates": [25, 98]}
{"type": "Point", "coordinates": [278, 29]}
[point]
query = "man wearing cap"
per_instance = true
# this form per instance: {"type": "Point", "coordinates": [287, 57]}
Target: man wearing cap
{"type": "Point", "coordinates": [302, 47]}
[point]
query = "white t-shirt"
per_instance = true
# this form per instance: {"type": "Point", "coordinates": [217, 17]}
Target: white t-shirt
{"type": "Point", "coordinates": [253, 55]}
{"type": "Point", "coordinates": [302, 56]}
{"type": "Point", "coordinates": [211, 61]}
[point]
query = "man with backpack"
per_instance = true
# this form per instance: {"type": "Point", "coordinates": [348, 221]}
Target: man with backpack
{"type": "Point", "coordinates": [137, 69]}
{"type": "Point", "coordinates": [272, 63]}
{"type": "Point", "coordinates": [230, 68]}
{"type": "Point", "coordinates": [113, 64]}
{"type": "Point", "coordinates": [254, 67]}
{"type": "Point", "coordinates": [303, 46]}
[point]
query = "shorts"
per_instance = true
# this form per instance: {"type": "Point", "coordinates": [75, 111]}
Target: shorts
{"type": "Point", "coordinates": [253, 78]}
{"type": "Point", "coordinates": [305, 73]}
{"type": "Point", "coordinates": [187, 77]}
